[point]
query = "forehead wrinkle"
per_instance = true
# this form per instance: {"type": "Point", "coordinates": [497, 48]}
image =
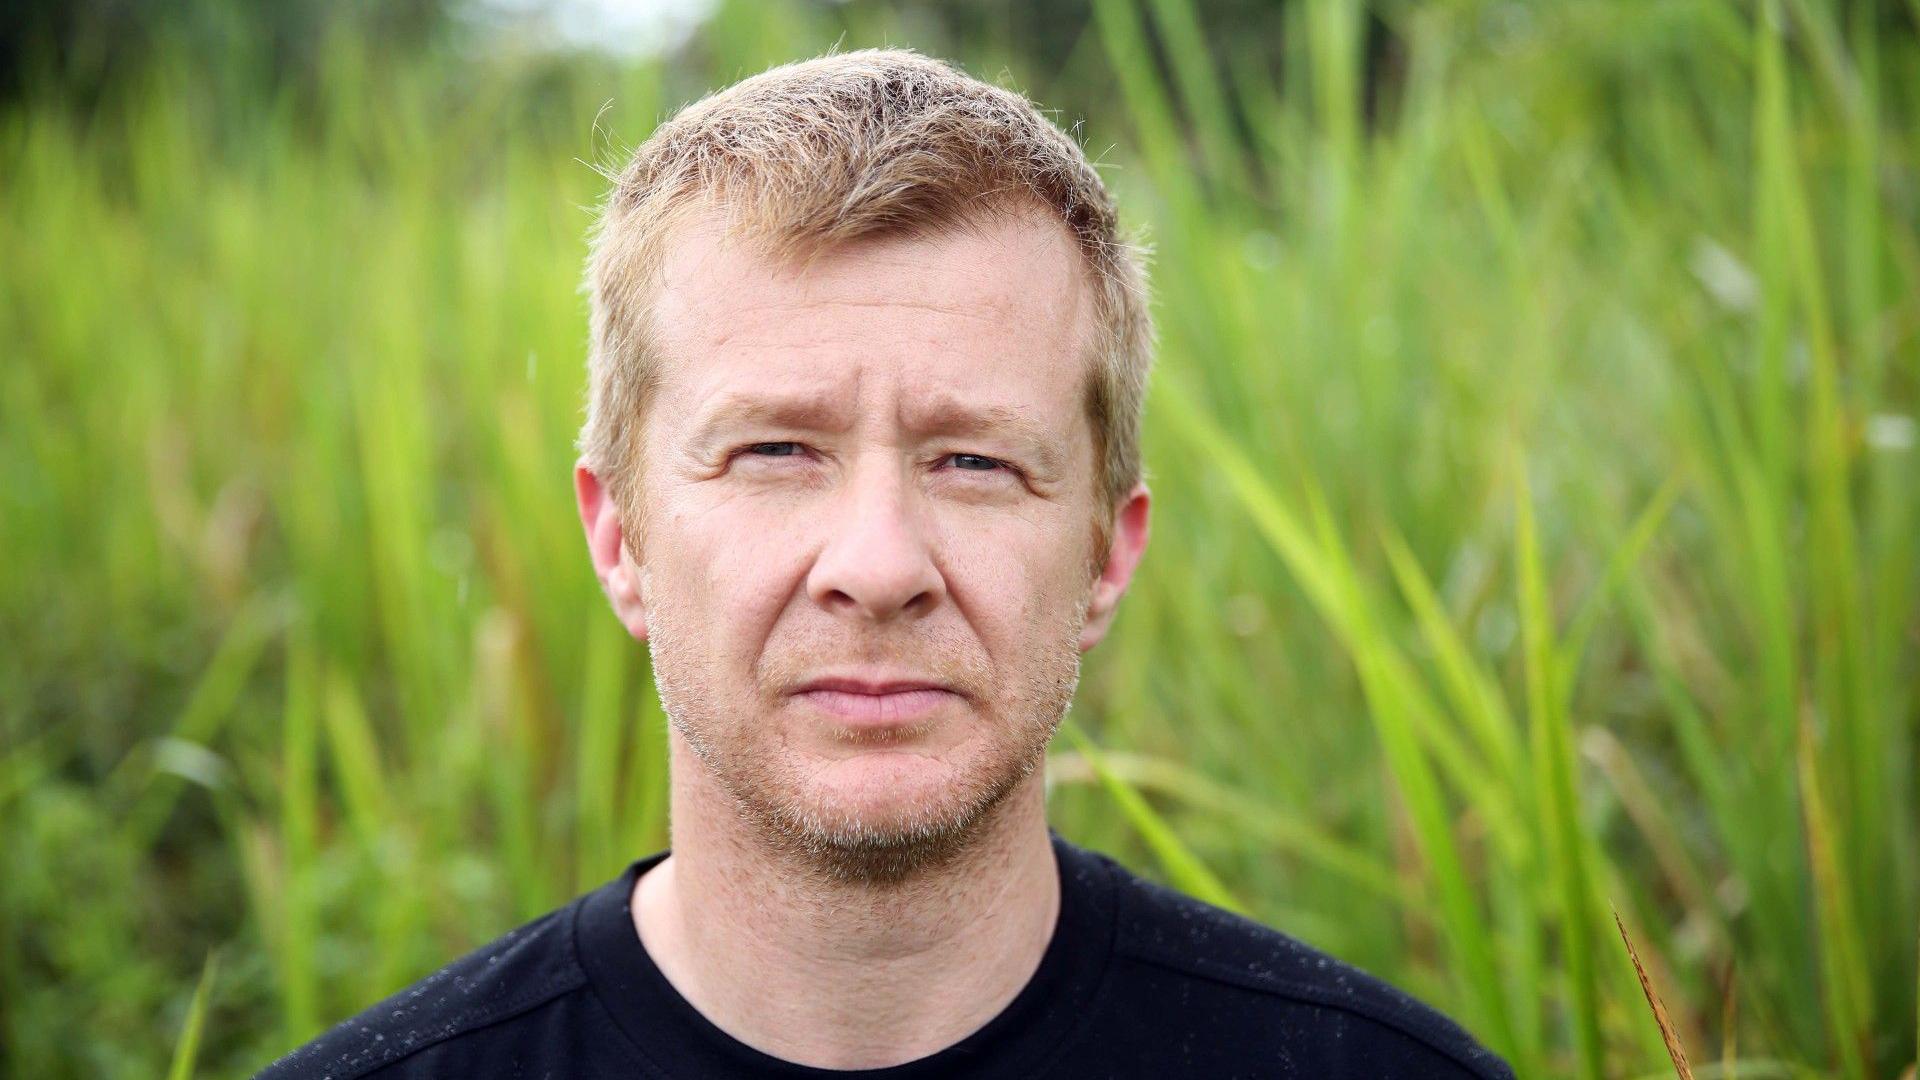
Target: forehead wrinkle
{"type": "Point", "coordinates": [805, 410]}
{"type": "Point", "coordinates": [941, 413]}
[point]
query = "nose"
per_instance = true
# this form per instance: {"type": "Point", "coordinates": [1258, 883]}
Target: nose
{"type": "Point", "coordinates": [877, 562]}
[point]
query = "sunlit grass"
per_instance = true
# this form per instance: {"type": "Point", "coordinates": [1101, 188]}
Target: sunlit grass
{"type": "Point", "coordinates": [1536, 495]}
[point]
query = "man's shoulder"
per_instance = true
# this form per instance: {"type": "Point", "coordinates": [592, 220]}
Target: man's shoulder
{"type": "Point", "coordinates": [1192, 942]}
{"type": "Point", "coordinates": [516, 973]}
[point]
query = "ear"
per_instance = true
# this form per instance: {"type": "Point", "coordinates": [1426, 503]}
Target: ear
{"type": "Point", "coordinates": [1123, 554]}
{"type": "Point", "coordinates": [607, 544]}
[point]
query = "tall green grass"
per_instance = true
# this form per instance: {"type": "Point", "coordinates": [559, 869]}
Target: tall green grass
{"type": "Point", "coordinates": [1533, 445]}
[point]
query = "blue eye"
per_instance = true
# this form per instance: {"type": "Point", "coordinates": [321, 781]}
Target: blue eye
{"type": "Point", "coordinates": [774, 449]}
{"type": "Point", "coordinates": [975, 463]}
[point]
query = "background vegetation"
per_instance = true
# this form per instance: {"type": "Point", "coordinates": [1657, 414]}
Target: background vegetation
{"type": "Point", "coordinates": [1534, 441]}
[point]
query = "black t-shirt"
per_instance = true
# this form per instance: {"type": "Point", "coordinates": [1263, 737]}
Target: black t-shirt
{"type": "Point", "coordinates": [1138, 980]}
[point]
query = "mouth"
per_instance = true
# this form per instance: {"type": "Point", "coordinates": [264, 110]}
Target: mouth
{"type": "Point", "coordinates": [877, 702]}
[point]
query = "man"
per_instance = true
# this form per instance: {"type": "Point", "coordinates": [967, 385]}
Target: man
{"type": "Point", "coordinates": [861, 466]}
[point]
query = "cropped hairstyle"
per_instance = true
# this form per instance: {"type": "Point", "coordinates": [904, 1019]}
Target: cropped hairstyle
{"type": "Point", "coordinates": [810, 155]}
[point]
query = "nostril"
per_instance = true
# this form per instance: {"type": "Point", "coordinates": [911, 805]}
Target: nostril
{"type": "Point", "coordinates": [877, 561]}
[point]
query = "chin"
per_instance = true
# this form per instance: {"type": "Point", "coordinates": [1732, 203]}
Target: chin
{"type": "Point", "coordinates": [887, 792]}
{"type": "Point", "coordinates": [884, 817]}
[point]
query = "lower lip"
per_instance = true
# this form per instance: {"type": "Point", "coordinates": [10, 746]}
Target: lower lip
{"type": "Point", "coordinates": [879, 710]}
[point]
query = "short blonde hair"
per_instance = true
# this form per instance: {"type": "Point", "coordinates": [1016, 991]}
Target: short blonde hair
{"type": "Point", "coordinates": [845, 146]}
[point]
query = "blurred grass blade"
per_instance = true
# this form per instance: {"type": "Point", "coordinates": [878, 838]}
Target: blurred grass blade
{"type": "Point", "coordinates": [1475, 692]}
{"type": "Point", "coordinates": [1393, 704]}
{"type": "Point", "coordinates": [297, 931]}
{"type": "Point", "coordinates": [1196, 74]}
{"type": "Point", "coordinates": [602, 729]}
{"type": "Point", "coordinates": [1667, 1034]}
{"type": "Point", "coordinates": [1286, 831]}
{"type": "Point", "coordinates": [1556, 787]}
{"type": "Point", "coordinates": [1620, 564]}
{"type": "Point", "coordinates": [1842, 964]}
{"type": "Point", "coordinates": [646, 780]}
{"type": "Point", "coordinates": [1184, 869]}
{"type": "Point", "coordinates": [356, 760]}
{"type": "Point", "coordinates": [208, 706]}
{"type": "Point", "coordinates": [186, 1051]}
{"type": "Point", "coordinates": [1132, 63]}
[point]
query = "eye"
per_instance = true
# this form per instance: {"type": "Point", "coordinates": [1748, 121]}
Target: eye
{"type": "Point", "coordinates": [976, 463]}
{"type": "Point", "coordinates": [774, 449]}
{"type": "Point", "coordinates": [771, 459]}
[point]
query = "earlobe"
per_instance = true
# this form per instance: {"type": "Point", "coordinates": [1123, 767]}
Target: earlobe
{"type": "Point", "coordinates": [1123, 556]}
{"type": "Point", "coordinates": [607, 546]}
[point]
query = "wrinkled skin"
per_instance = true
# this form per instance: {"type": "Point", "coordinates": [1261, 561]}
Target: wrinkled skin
{"type": "Point", "coordinates": [875, 468]}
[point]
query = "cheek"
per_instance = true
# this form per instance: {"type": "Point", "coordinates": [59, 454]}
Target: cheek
{"type": "Point", "coordinates": [1019, 583]}
{"type": "Point", "coordinates": [728, 564]}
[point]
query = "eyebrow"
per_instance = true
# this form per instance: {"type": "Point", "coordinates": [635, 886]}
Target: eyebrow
{"type": "Point", "coordinates": [944, 415]}
{"type": "Point", "coordinates": [801, 412]}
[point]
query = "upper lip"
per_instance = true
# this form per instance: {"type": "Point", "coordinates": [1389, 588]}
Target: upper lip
{"type": "Point", "coordinates": [872, 684]}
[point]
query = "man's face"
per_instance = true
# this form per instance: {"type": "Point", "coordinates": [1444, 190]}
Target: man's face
{"type": "Point", "coordinates": [866, 555]}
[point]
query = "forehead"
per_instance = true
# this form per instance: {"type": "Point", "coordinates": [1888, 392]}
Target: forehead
{"type": "Point", "coordinates": [995, 313]}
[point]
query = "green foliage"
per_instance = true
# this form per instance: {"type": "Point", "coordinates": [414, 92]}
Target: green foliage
{"type": "Point", "coordinates": [1537, 503]}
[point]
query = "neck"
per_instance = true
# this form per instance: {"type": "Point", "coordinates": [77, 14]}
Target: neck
{"type": "Point", "coordinates": [838, 974]}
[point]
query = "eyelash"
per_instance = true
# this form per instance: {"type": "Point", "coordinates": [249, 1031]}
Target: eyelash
{"type": "Point", "coordinates": [754, 450]}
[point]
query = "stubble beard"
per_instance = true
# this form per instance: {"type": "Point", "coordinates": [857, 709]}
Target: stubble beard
{"type": "Point", "coordinates": [769, 790]}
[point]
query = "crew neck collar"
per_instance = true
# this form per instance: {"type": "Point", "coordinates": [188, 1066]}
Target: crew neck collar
{"type": "Point", "coordinates": [670, 1033]}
